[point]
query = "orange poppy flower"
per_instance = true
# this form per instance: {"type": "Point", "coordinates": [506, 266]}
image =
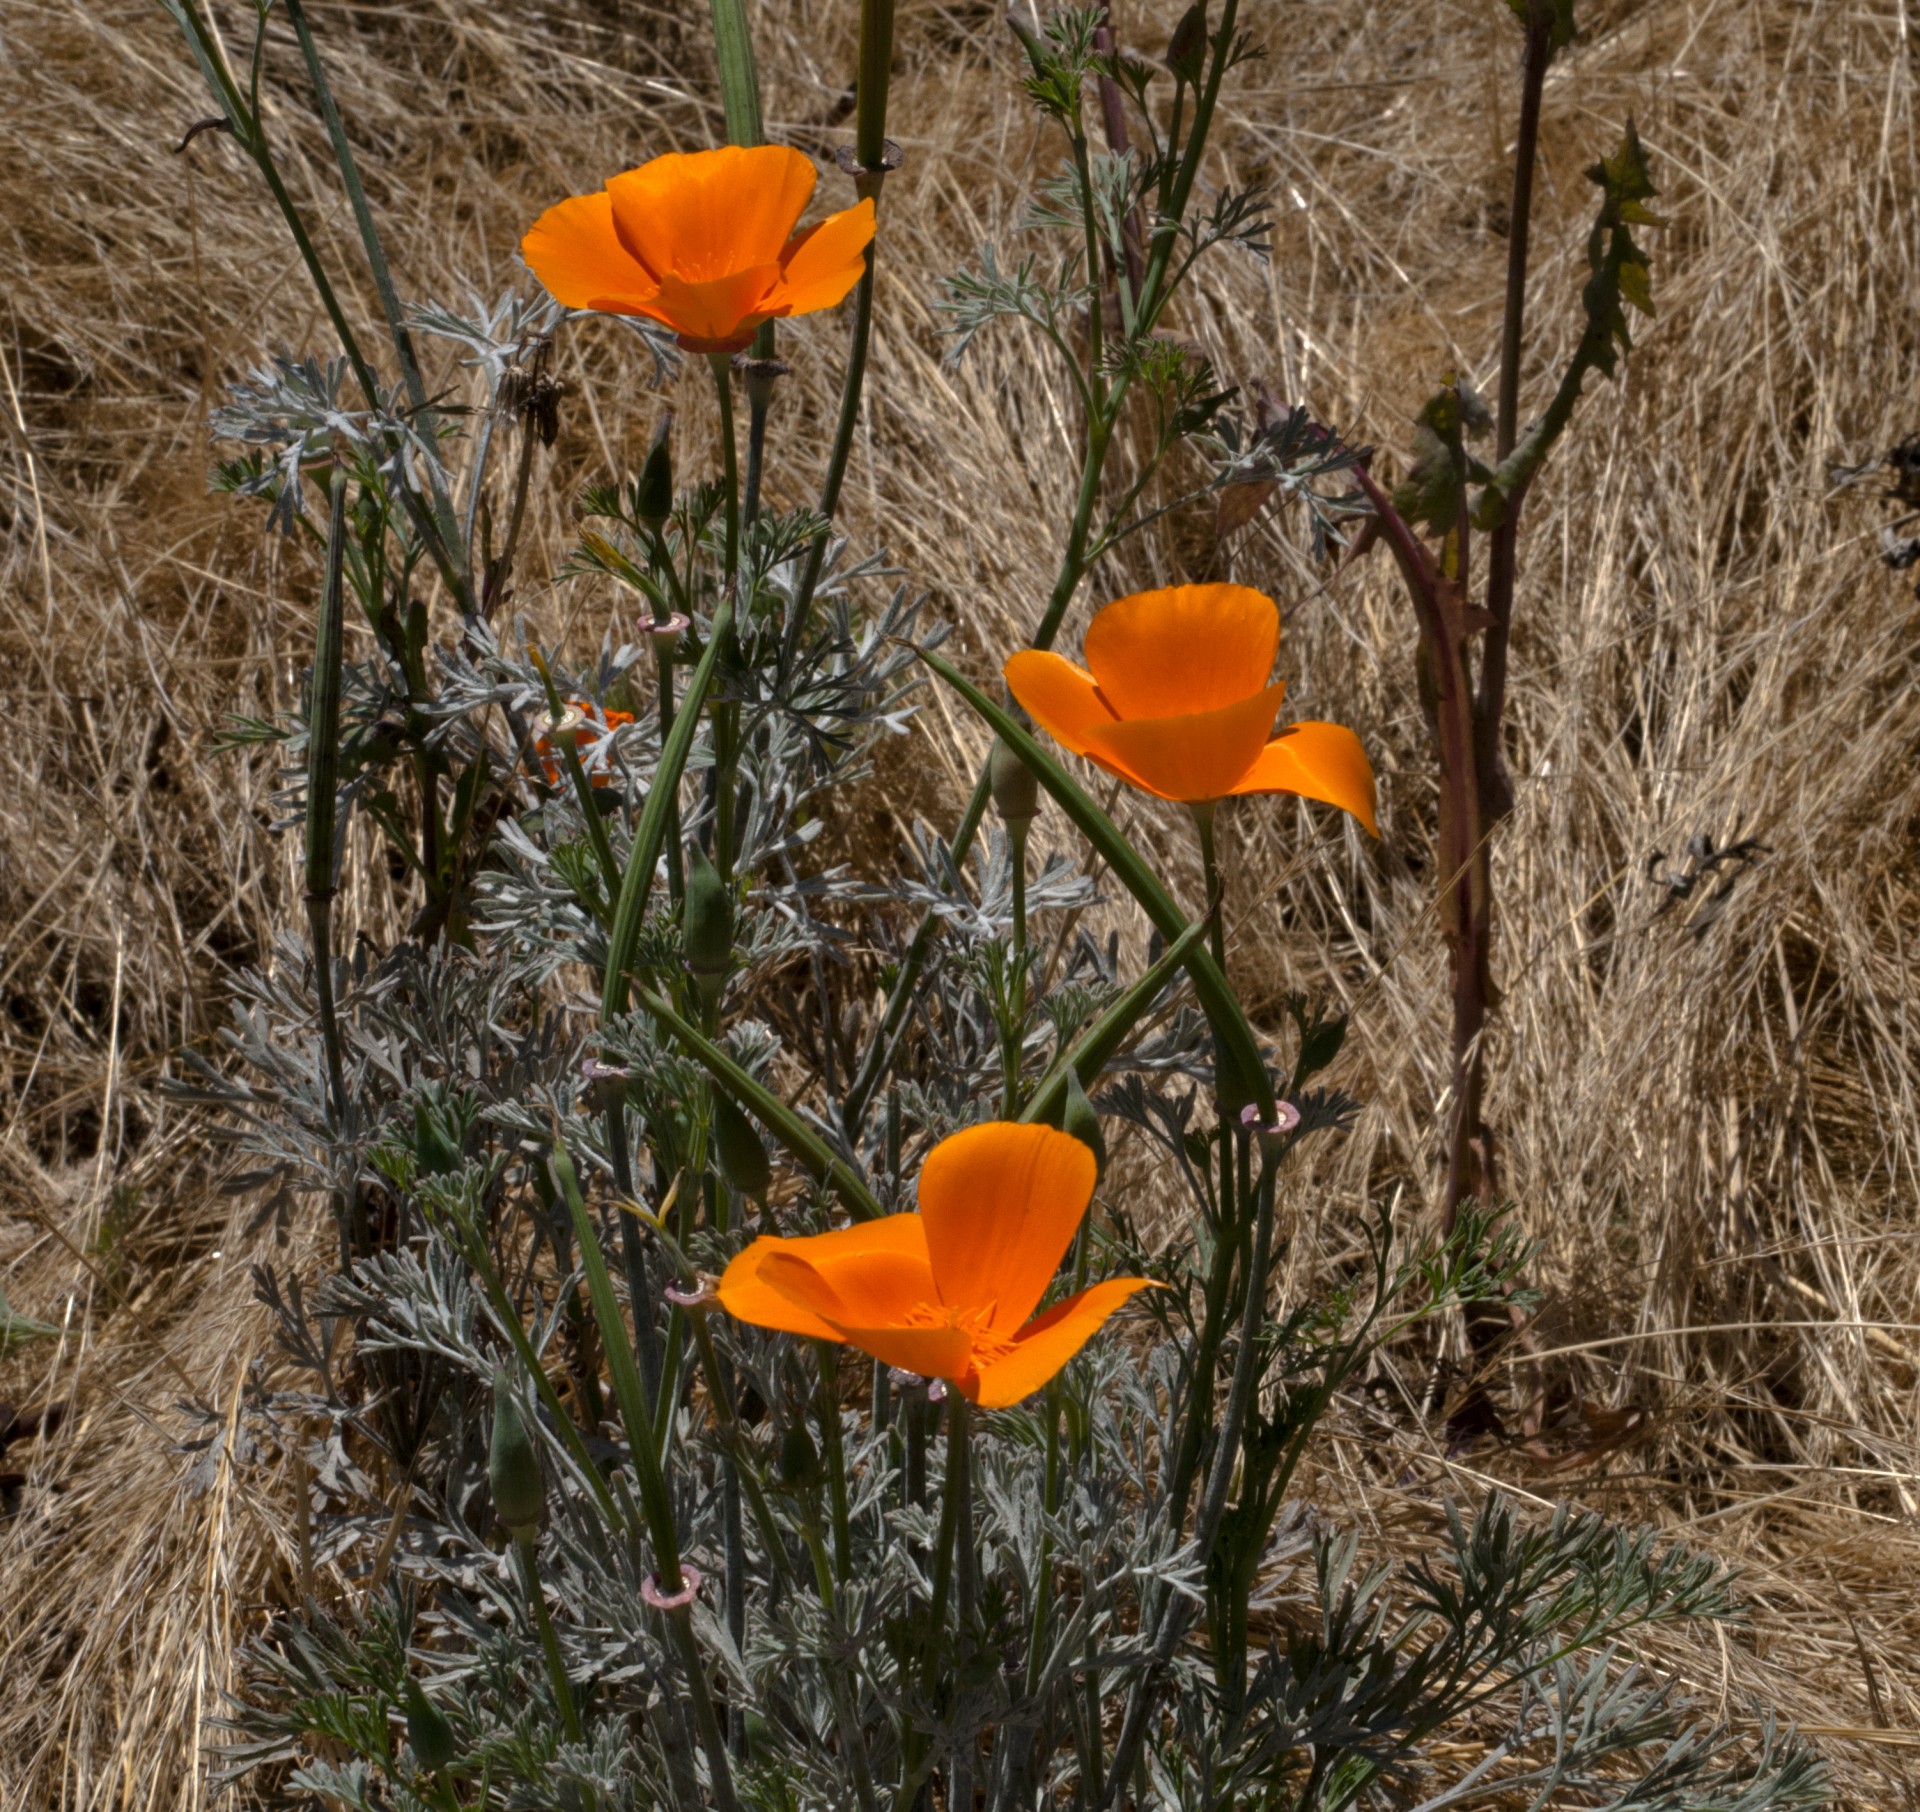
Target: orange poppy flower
{"type": "Point", "coordinates": [1178, 703]}
{"type": "Point", "coordinates": [593, 731]}
{"type": "Point", "coordinates": [947, 1292]}
{"type": "Point", "coordinates": [702, 242]}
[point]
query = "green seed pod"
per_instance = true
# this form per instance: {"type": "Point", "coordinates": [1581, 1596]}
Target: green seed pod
{"type": "Point", "coordinates": [799, 1458]}
{"type": "Point", "coordinates": [653, 495]}
{"type": "Point", "coordinates": [513, 1468]}
{"type": "Point", "coordinates": [706, 929]}
{"type": "Point", "coordinates": [1079, 1119]}
{"type": "Point", "coordinates": [428, 1732]}
{"type": "Point", "coordinates": [1015, 791]}
{"type": "Point", "coordinates": [1187, 49]}
{"type": "Point", "coordinates": [743, 1156]}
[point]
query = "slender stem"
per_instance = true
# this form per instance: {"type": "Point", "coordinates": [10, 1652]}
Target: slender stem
{"type": "Point", "coordinates": [425, 419]}
{"type": "Point", "coordinates": [323, 769]}
{"type": "Point", "coordinates": [656, 1503]}
{"type": "Point", "coordinates": [730, 470]}
{"type": "Point", "coordinates": [870, 153]}
{"type": "Point", "coordinates": [955, 1497]}
{"type": "Point", "coordinates": [549, 1642]}
{"type": "Point", "coordinates": [739, 78]}
{"type": "Point", "coordinates": [1502, 547]}
{"type": "Point", "coordinates": [833, 1457]}
{"type": "Point", "coordinates": [1014, 1038]}
{"type": "Point", "coordinates": [1096, 338]}
{"type": "Point", "coordinates": [1176, 1609]}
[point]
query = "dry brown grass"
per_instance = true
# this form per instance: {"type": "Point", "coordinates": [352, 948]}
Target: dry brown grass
{"type": "Point", "coordinates": [1715, 1135]}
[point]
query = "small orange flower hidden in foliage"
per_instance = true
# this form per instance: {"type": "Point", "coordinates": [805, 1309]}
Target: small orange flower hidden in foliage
{"type": "Point", "coordinates": [948, 1292]}
{"type": "Point", "coordinates": [702, 242]}
{"type": "Point", "coordinates": [592, 736]}
{"type": "Point", "coordinates": [1178, 704]}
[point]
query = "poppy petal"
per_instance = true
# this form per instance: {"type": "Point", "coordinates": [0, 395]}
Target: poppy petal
{"type": "Point", "coordinates": [704, 214]}
{"type": "Point", "coordinates": [932, 1352]}
{"type": "Point", "coordinates": [1317, 761]}
{"type": "Point", "coordinates": [1203, 756]}
{"type": "Point", "coordinates": [573, 250]}
{"type": "Point", "coordinates": [822, 264]}
{"type": "Point", "coordinates": [720, 313]}
{"type": "Point", "coordinates": [877, 1288]}
{"type": "Point", "coordinates": [1183, 650]}
{"type": "Point", "coordinates": [1060, 697]}
{"type": "Point", "coordinates": [745, 1294]}
{"type": "Point", "coordinates": [1047, 1342]}
{"type": "Point", "coordinates": [1001, 1202]}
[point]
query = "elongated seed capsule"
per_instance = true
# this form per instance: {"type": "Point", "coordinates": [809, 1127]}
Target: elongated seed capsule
{"type": "Point", "coordinates": [513, 1468]}
{"type": "Point", "coordinates": [1016, 793]}
{"type": "Point", "coordinates": [653, 495]}
{"type": "Point", "coordinates": [1078, 1118]}
{"type": "Point", "coordinates": [706, 927]}
{"type": "Point", "coordinates": [743, 1155]}
{"type": "Point", "coordinates": [428, 1732]}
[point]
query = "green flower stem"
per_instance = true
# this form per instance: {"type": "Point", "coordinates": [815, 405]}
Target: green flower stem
{"type": "Point", "coordinates": [656, 1503]}
{"type": "Point", "coordinates": [323, 772]}
{"type": "Point", "coordinates": [869, 152]}
{"type": "Point", "coordinates": [1176, 1609]}
{"type": "Point", "coordinates": [956, 1490]}
{"type": "Point", "coordinates": [720, 1389]}
{"type": "Point", "coordinates": [739, 77]}
{"type": "Point", "coordinates": [1014, 1038]}
{"type": "Point", "coordinates": [833, 1457]}
{"type": "Point", "coordinates": [524, 1552]}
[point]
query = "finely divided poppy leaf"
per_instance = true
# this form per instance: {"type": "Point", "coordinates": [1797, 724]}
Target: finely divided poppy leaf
{"type": "Point", "coordinates": [1216, 997]}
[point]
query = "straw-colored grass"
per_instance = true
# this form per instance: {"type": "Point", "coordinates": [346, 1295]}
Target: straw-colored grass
{"type": "Point", "coordinates": [1708, 1120]}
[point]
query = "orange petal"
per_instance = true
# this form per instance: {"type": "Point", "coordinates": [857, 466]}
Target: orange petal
{"type": "Point", "coordinates": [1000, 1203]}
{"type": "Point", "coordinates": [719, 314]}
{"type": "Point", "coordinates": [746, 1294]}
{"type": "Point", "coordinates": [870, 1289]}
{"type": "Point", "coordinates": [706, 214]}
{"type": "Point", "coordinates": [1317, 761]}
{"type": "Point", "coordinates": [1047, 1342]}
{"type": "Point", "coordinates": [1189, 758]}
{"type": "Point", "coordinates": [573, 250]}
{"type": "Point", "coordinates": [932, 1352]}
{"type": "Point", "coordinates": [1058, 696]}
{"type": "Point", "coordinates": [1184, 650]}
{"type": "Point", "coordinates": [822, 264]}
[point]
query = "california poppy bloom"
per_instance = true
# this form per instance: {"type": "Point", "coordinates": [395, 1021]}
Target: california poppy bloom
{"type": "Point", "coordinates": [702, 242]}
{"type": "Point", "coordinates": [1178, 704]}
{"type": "Point", "coordinates": [593, 731]}
{"type": "Point", "coordinates": [947, 1292]}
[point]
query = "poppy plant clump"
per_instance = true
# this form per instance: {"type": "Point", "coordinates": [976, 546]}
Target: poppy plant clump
{"type": "Point", "coordinates": [948, 1292]}
{"type": "Point", "coordinates": [702, 242]}
{"type": "Point", "coordinates": [1178, 703]}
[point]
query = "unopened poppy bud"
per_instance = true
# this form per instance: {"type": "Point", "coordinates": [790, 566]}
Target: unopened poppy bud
{"type": "Point", "coordinates": [706, 926]}
{"type": "Point", "coordinates": [1031, 42]}
{"type": "Point", "coordinates": [1187, 49]}
{"type": "Point", "coordinates": [1016, 793]}
{"type": "Point", "coordinates": [653, 495]}
{"type": "Point", "coordinates": [743, 1157]}
{"type": "Point", "coordinates": [513, 1468]}
{"type": "Point", "coordinates": [1079, 1119]}
{"type": "Point", "coordinates": [428, 1732]}
{"type": "Point", "coordinates": [799, 1458]}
